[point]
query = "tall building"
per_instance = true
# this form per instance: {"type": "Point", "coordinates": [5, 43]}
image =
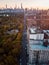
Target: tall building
{"type": "Point", "coordinates": [38, 54]}
{"type": "Point", "coordinates": [6, 6]}
{"type": "Point", "coordinates": [21, 6]}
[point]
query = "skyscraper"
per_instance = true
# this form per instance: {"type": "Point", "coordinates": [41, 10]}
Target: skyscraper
{"type": "Point", "coordinates": [21, 6]}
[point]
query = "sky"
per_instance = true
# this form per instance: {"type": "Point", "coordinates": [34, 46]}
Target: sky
{"type": "Point", "coordinates": [41, 4]}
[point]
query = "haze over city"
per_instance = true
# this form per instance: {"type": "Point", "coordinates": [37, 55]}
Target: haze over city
{"type": "Point", "coordinates": [41, 4]}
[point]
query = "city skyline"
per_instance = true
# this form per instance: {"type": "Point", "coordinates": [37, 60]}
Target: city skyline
{"type": "Point", "coordinates": [41, 4]}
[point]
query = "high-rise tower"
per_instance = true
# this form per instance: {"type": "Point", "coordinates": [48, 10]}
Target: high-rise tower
{"type": "Point", "coordinates": [21, 6]}
{"type": "Point", "coordinates": [6, 6]}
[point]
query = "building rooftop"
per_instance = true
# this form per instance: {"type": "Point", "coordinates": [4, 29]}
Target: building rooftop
{"type": "Point", "coordinates": [35, 29]}
{"type": "Point", "coordinates": [36, 36]}
{"type": "Point", "coordinates": [32, 30]}
{"type": "Point", "coordinates": [46, 31]}
{"type": "Point", "coordinates": [39, 47]}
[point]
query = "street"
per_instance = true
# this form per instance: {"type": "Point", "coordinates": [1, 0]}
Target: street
{"type": "Point", "coordinates": [23, 56]}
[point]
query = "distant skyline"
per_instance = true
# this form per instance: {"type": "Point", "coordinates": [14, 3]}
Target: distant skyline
{"type": "Point", "coordinates": [41, 4]}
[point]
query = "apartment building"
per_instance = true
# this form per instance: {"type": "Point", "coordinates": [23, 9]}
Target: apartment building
{"type": "Point", "coordinates": [39, 18]}
{"type": "Point", "coordinates": [38, 53]}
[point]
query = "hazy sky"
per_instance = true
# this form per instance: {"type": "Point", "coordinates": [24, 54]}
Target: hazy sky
{"type": "Point", "coordinates": [26, 3]}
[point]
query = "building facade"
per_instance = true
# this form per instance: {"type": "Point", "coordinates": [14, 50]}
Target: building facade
{"type": "Point", "coordinates": [38, 53]}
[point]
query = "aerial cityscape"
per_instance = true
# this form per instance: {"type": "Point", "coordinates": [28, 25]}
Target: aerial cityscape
{"type": "Point", "coordinates": [24, 32]}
